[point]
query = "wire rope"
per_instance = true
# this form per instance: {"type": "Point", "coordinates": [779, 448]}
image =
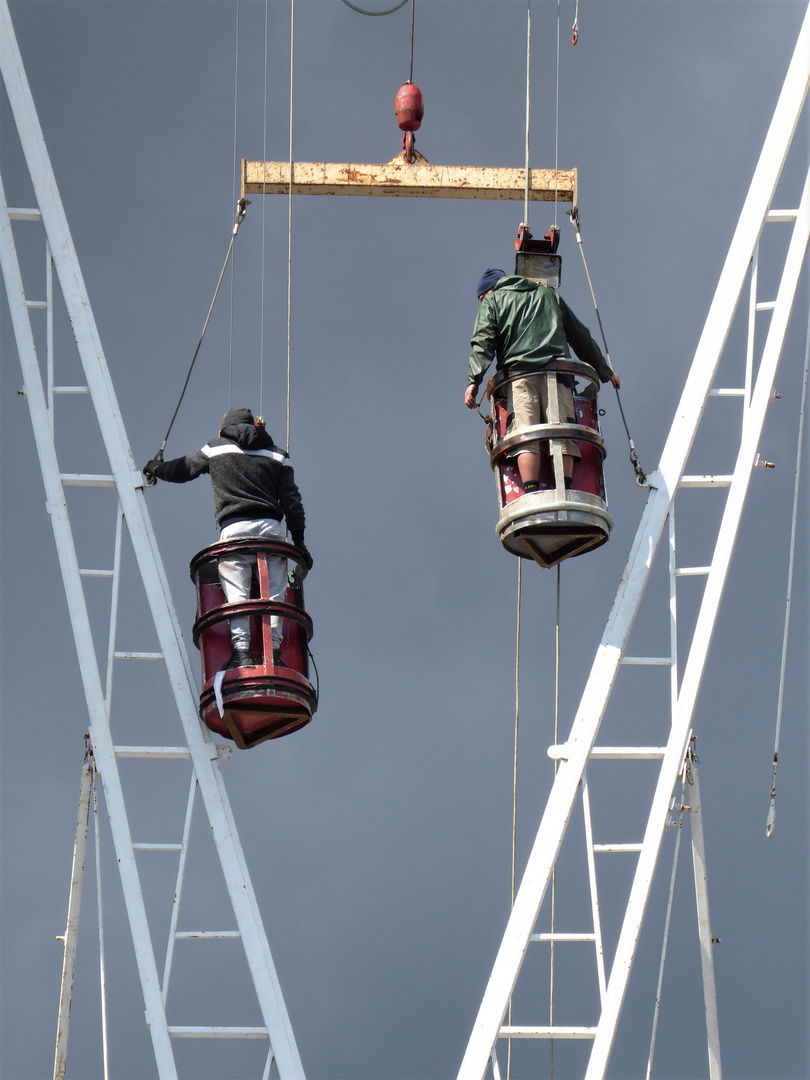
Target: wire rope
{"type": "Point", "coordinates": [389, 11]}
{"type": "Point", "coordinates": [554, 867]}
{"type": "Point", "coordinates": [289, 224]}
{"type": "Point", "coordinates": [240, 215]}
{"type": "Point", "coordinates": [641, 476]}
{"type": "Point", "coordinates": [410, 63]}
{"type": "Point", "coordinates": [771, 822]}
{"type": "Point", "coordinates": [101, 956]}
{"type": "Point", "coordinates": [514, 778]}
{"type": "Point", "coordinates": [667, 921]}
{"type": "Point", "coordinates": [527, 173]}
{"type": "Point", "coordinates": [233, 196]}
{"type": "Point", "coordinates": [557, 122]}
{"type": "Point", "coordinates": [264, 231]}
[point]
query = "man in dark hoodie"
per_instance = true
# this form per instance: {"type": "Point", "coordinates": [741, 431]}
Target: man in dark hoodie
{"type": "Point", "coordinates": [524, 325]}
{"type": "Point", "coordinates": [254, 488]}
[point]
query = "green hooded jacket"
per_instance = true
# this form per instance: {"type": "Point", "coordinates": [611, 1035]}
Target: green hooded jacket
{"type": "Point", "coordinates": [524, 325]}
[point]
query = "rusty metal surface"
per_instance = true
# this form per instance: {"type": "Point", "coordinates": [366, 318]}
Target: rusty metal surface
{"type": "Point", "coordinates": [398, 178]}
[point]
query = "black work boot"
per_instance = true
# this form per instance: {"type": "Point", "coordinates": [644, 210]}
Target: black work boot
{"type": "Point", "coordinates": [277, 661]}
{"type": "Point", "coordinates": [239, 658]}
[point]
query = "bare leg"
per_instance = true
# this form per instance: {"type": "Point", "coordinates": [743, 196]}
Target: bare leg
{"type": "Point", "coordinates": [529, 467]}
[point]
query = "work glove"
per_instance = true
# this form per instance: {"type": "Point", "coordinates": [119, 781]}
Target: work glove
{"type": "Point", "coordinates": [149, 469]}
{"type": "Point", "coordinates": [305, 553]}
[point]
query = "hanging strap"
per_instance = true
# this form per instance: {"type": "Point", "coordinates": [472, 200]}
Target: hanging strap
{"type": "Point", "coordinates": [641, 476]}
{"type": "Point", "coordinates": [241, 209]}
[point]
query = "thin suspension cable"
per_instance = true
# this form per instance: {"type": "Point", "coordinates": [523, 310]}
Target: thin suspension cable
{"type": "Point", "coordinates": [667, 920]}
{"type": "Point", "coordinates": [233, 196]}
{"type": "Point", "coordinates": [101, 960]}
{"type": "Point", "coordinates": [240, 216]}
{"type": "Point", "coordinates": [641, 476]}
{"type": "Point", "coordinates": [554, 868]}
{"type": "Point", "coordinates": [514, 779]}
{"type": "Point", "coordinates": [264, 204]}
{"type": "Point", "coordinates": [289, 222]}
{"type": "Point", "coordinates": [771, 823]}
{"type": "Point", "coordinates": [557, 123]}
{"type": "Point", "coordinates": [527, 181]}
{"type": "Point", "coordinates": [410, 64]}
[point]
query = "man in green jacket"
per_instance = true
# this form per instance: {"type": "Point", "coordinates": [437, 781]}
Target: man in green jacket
{"type": "Point", "coordinates": [523, 326]}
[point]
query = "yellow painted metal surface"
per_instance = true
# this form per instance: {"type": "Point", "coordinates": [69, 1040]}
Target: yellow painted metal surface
{"type": "Point", "coordinates": [399, 178]}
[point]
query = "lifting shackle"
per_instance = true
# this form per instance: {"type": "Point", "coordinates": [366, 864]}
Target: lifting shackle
{"type": "Point", "coordinates": [410, 108]}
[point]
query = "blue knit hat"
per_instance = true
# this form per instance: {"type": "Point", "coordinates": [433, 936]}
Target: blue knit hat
{"type": "Point", "coordinates": [489, 279]}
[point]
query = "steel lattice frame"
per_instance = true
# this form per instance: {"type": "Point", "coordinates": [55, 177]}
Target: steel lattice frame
{"type": "Point", "coordinates": [125, 478]}
{"type": "Point", "coordinates": [665, 483]}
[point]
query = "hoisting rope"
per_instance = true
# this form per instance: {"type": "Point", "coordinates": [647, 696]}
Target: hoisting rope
{"type": "Point", "coordinates": [264, 215]}
{"type": "Point", "coordinates": [526, 170]}
{"type": "Point", "coordinates": [289, 224]}
{"type": "Point", "coordinates": [514, 783]}
{"type": "Point", "coordinates": [410, 63]}
{"type": "Point", "coordinates": [554, 867]}
{"type": "Point", "coordinates": [684, 778]}
{"type": "Point", "coordinates": [101, 956]}
{"type": "Point", "coordinates": [641, 476]}
{"type": "Point", "coordinates": [241, 209]}
{"type": "Point", "coordinates": [233, 197]}
{"type": "Point", "coordinates": [771, 822]}
{"type": "Point", "coordinates": [557, 121]}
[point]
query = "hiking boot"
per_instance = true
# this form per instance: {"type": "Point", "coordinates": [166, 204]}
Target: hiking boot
{"type": "Point", "coordinates": [239, 658]}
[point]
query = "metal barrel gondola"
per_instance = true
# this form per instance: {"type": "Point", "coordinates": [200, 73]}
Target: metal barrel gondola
{"type": "Point", "coordinates": [265, 701]}
{"type": "Point", "coordinates": [553, 523]}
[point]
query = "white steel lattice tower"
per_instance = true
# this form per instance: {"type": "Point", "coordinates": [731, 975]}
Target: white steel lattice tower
{"type": "Point", "coordinates": [580, 751]}
{"type": "Point", "coordinates": [32, 319]}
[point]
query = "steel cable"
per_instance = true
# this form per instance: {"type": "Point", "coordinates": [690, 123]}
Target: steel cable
{"type": "Point", "coordinates": [233, 197]}
{"type": "Point", "coordinates": [240, 215]}
{"type": "Point", "coordinates": [771, 822]}
{"type": "Point", "coordinates": [641, 476]}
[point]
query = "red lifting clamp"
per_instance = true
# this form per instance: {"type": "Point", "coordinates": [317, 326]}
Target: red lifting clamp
{"type": "Point", "coordinates": [547, 246]}
{"type": "Point", "coordinates": [410, 108]}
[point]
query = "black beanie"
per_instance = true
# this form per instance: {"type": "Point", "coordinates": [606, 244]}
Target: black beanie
{"type": "Point", "coordinates": [236, 416]}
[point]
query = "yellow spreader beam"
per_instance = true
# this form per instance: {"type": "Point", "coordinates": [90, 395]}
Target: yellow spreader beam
{"type": "Point", "coordinates": [418, 179]}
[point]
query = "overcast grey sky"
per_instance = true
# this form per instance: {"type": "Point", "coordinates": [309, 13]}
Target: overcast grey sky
{"type": "Point", "coordinates": [379, 837]}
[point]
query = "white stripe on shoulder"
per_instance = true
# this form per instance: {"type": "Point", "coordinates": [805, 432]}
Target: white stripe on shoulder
{"type": "Point", "coordinates": [276, 455]}
{"type": "Point", "coordinates": [232, 448]}
{"type": "Point", "coordinates": [225, 448]}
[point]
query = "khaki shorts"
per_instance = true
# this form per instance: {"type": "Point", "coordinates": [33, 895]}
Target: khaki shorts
{"type": "Point", "coordinates": [527, 404]}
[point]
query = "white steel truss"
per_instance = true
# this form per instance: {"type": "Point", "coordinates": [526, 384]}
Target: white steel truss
{"type": "Point", "coordinates": [575, 755]}
{"type": "Point", "coordinates": [120, 474]}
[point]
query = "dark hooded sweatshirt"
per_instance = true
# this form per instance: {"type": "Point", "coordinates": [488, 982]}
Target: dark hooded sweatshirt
{"type": "Point", "coordinates": [251, 477]}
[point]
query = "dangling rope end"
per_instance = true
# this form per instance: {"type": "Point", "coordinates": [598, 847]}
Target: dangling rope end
{"type": "Point", "coordinates": [241, 210]}
{"type": "Point", "coordinates": [771, 823]}
{"type": "Point", "coordinates": [573, 215]}
{"type": "Point", "coordinates": [641, 476]}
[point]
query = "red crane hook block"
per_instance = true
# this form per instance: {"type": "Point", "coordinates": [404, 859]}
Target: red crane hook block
{"type": "Point", "coordinates": [409, 106]}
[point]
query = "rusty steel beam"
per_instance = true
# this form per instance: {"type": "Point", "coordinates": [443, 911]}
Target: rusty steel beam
{"type": "Point", "coordinates": [399, 178]}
